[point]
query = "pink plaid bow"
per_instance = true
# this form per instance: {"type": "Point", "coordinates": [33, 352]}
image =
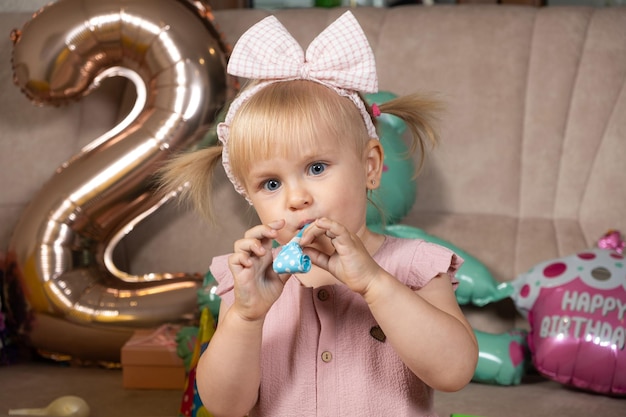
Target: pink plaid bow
{"type": "Point", "coordinates": [340, 58]}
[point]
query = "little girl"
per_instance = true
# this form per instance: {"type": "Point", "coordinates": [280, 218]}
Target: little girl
{"type": "Point", "coordinates": [374, 327]}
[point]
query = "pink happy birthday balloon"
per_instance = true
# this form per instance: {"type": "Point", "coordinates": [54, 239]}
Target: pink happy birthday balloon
{"type": "Point", "coordinates": [576, 307]}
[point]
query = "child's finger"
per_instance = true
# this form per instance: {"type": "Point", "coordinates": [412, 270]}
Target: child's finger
{"type": "Point", "coordinates": [240, 259]}
{"type": "Point", "coordinates": [265, 231]}
{"type": "Point", "coordinates": [313, 231]}
{"type": "Point", "coordinates": [331, 229]}
{"type": "Point", "coordinates": [250, 246]}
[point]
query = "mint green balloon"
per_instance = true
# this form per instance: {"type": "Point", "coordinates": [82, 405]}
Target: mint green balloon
{"type": "Point", "coordinates": [503, 358]}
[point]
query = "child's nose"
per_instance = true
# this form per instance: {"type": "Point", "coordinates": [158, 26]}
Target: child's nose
{"type": "Point", "coordinates": [299, 198]}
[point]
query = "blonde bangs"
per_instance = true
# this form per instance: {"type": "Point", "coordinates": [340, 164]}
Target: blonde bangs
{"type": "Point", "coordinates": [287, 117]}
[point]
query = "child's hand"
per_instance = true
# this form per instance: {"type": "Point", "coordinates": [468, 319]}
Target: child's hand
{"type": "Point", "coordinates": [257, 286]}
{"type": "Point", "coordinates": [350, 262]}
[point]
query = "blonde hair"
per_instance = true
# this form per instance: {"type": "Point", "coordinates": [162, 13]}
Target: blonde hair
{"type": "Point", "coordinates": [285, 116]}
{"type": "Point", "coordinates": [280, 118]}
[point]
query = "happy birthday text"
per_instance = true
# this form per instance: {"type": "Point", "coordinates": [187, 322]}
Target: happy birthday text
{"type": "Point", "coordinates": [578, 326]}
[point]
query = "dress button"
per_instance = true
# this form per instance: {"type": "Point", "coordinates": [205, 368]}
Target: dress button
{"type": "Point", "coordinates": [327, 356]}
{"type": "Point", "coordinates": [323, 295]}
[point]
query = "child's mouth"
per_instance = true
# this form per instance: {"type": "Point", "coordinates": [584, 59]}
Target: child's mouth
{"type": "Point", "coordinates": [305, 224]}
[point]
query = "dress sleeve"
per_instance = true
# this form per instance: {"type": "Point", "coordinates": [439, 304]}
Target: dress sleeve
{"type": "Point", "coordinates": [425, 261]}
{"type": "Point", "coordinates": [432, 259]}
{"type": "Point", "coordinates": [225, 282]}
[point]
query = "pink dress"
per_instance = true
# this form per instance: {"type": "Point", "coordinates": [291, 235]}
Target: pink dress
{"type": "Point", "coordinates": [323, 354]}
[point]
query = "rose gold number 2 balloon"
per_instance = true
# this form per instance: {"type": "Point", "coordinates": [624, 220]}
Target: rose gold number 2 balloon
{"type": "Point", "coordinates": [79, 302]}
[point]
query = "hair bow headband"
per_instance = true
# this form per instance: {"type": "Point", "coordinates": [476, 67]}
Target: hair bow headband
{"type": "Point", "coordinates": [340, 58]}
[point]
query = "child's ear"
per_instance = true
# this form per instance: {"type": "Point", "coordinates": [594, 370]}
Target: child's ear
{"type": "Point", "coordinates": [374, 158]}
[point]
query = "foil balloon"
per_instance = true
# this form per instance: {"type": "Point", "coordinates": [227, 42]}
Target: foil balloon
{"type": "Point", "coordinates": [79, 302]}
{"type": "Point", "coordinates": [576, 308]}
{"type": "Point", "coordinates": [612, 240]}
{"type": "Point", "coordinates": [502, 357]}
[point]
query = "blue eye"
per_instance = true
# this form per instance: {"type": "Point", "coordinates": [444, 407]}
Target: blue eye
{"type": "Point", "coordinates": [317, 168]}
{"type": "Point", "coordinates": [271, 185]}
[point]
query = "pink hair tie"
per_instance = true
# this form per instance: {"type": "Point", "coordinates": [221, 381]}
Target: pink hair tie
{"type": "Point", "coordinates": [376, 110]}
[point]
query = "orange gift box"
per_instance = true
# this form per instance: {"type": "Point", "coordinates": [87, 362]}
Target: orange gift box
{"type": "Point", "coordinates": [150, 361]}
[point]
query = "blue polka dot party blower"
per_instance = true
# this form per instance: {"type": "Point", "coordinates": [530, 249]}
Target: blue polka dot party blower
{"type": "Point", "coordinates": [291, 259]}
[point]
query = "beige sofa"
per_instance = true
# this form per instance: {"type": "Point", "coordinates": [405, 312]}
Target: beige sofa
{"type": "Point", "coordinates": [530, 166]}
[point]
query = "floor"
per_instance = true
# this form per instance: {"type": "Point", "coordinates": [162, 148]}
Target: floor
{"type": "Point", "coordinates": [35, 385]}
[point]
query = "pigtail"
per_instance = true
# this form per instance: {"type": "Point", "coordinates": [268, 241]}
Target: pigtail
{"type": "Point", "coordinates": [420, 113]}
{"type": "Point", "coordinates": [190, 175]}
